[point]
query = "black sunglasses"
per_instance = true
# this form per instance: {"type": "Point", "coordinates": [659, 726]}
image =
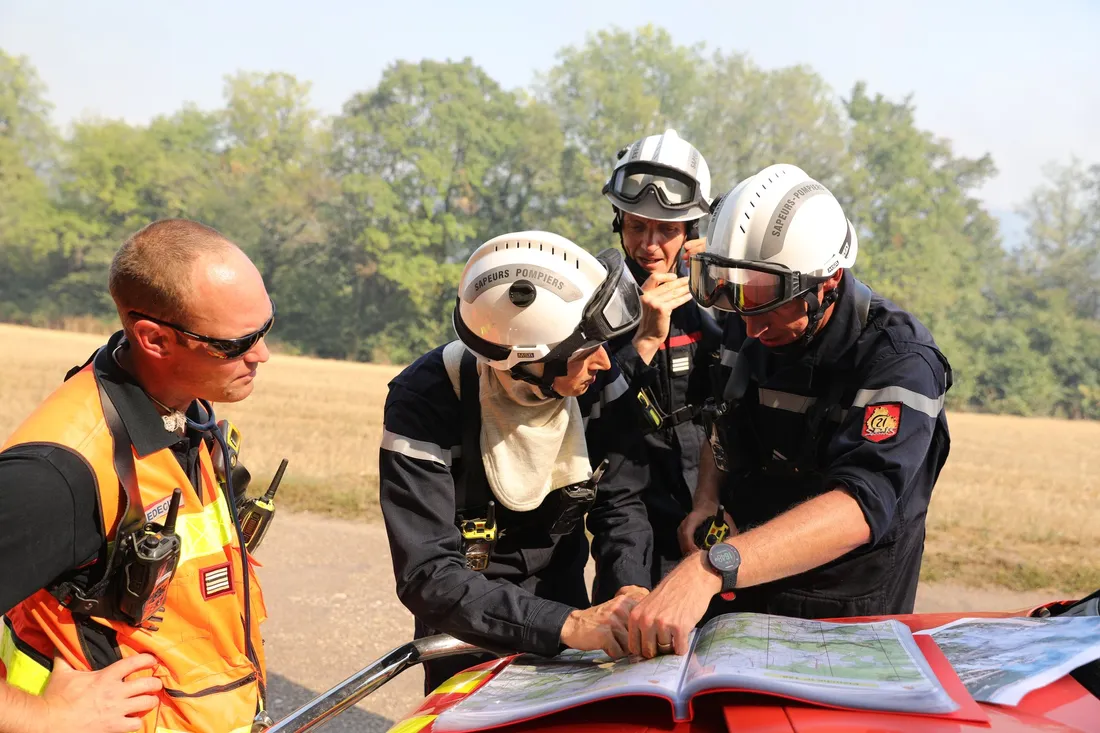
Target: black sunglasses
{"type": "Point", "coordinates": [218, 348]}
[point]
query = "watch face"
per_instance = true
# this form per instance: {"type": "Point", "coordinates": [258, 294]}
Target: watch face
{"type": "Point", "coordinates": [724, 558]}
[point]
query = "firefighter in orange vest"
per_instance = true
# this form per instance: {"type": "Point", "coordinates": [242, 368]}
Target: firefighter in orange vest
{"type": "Point", "coordinates": [112, 619]}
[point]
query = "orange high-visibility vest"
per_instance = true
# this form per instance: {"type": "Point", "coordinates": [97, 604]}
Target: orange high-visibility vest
{"type": "Point", "coordinates": [209, 682]}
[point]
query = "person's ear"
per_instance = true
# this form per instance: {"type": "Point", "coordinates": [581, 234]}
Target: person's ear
{"type": "Point", "coordinates": [152, 339]}
{"type": "Point", "coordinates": [833, 282]}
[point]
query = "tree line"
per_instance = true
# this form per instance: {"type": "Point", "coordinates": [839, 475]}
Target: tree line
{"type": "Point", "coordinates": [360, 222]}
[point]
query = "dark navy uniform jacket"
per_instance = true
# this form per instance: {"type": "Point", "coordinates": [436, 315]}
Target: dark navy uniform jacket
{"type": "Point", "coordinates": [678, 376]}
{"type": "Point", "coordinates": [862, 408]}
{"type": "Point", "coordinates": [534, 580]}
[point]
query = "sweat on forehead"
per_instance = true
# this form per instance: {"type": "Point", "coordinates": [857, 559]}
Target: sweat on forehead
{"type": "Point", "coordinates": [153, 269]}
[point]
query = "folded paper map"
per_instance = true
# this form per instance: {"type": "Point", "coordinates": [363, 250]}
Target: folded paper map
{"type": "Point", "coordinates": [866, 666]}
{"type": "Point", "coordinates": [1001, 660]}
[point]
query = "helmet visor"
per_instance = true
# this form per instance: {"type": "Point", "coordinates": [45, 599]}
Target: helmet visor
{"type": "Point", "coordinates": [746, 288]}
{"type": "Point", "coordinates": [623, 308]}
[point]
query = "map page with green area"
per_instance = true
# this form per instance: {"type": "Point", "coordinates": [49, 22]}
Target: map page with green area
{"type": "Point", "coordinates": [874, 666]}
{"type": "Point", "coordinates": [867, 666]}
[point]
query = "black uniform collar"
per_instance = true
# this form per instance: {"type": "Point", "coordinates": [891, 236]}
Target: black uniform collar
{"type": "Point", "coordinates": [142, 419]}
{"type": "Point", "coordinates": [843, 329]}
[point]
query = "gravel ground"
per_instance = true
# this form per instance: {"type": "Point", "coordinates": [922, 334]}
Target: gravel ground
{"type": "Point", "coordinates": [328, 585]}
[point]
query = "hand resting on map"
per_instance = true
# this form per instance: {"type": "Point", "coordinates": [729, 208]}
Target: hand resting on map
{"type": "Point", "coordinates": [603, 626]}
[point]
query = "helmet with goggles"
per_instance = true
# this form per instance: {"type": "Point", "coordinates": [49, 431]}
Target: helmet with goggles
{"type": "Point", "coordinates": [537, 298]}
{"type": "Point", "coordinates": [774, 238]}
{"type": "Point", "coordinates": [661, 177]}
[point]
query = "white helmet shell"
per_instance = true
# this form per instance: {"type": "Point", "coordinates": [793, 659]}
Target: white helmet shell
{"type": "Point", "coordinates": [667, 150]}
{"type": "Point", "coordinates": [783, 216]}
{"type": "Point", "coordinates": [526, 291]}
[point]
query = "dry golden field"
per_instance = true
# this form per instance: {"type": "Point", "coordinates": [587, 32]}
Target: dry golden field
{"type": "Point", "coordinates": [1018, 505]}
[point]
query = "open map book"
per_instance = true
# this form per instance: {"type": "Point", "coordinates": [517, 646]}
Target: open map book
{"type": "Point", "coordinates": [869, 666]}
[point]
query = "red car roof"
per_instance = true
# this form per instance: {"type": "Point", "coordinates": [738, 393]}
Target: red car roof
{"type": "Point", "coordinates": [1062, 706]}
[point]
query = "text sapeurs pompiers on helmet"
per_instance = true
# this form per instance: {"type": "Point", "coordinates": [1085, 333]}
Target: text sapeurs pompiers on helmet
{"type": "Point", "coordinates": [660, 177]}
{"type": "Point", "coordinates": [535, 297]}
{"type": "Point", "coordinates": [774, 238]}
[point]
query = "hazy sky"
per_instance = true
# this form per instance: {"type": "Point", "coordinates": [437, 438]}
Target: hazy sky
{"type": "Point", "coordinates": [1019, 80]}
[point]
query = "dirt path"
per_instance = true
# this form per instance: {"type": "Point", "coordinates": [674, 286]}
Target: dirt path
{"type": "Point", "coordinates": [328, 585]}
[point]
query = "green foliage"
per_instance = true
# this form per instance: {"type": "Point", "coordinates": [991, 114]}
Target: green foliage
{"type": "Point", "coordinates": [361, 223]}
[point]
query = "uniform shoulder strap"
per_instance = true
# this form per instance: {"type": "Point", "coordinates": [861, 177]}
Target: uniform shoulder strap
{"type": "Point", "coordinates": [131, 516]}
{"type": "Point", "coordinates": [862, 295]}
{"type": "Point", "coordinates": [471, 486]}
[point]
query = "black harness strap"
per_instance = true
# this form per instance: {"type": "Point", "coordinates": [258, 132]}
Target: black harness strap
{"type": "Point", "coordinates": [740, 374]}
{"type": "Point", "coordinates": [96, 600]}
{"type": "Point", "coordinates": [471, 487]}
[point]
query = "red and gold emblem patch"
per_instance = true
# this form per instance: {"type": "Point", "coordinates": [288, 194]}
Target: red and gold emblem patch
{"type": "Point", "coordinates": [880, 422]}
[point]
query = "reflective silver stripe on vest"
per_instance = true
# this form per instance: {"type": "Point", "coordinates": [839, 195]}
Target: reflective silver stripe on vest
{"type": "Point", "coordinates": [419, 449]}
{"type": "Point", "coordinates": [785, 401]}
{"type": "Point", "coordinates": [794, 403]}
{"type": "Point", "coordinates": [907, 397]}
{"type": "Point", "coordinates": [727, 357]}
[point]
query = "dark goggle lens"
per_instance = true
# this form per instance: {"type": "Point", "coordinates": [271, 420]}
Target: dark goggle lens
{"type": "Point", "coordinates": [741, 290]}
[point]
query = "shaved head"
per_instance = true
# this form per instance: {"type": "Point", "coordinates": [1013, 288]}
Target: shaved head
{"type": "Point", "coordinates": [153, 270]}
{"type": "Point", "coordinates": [180, 287]}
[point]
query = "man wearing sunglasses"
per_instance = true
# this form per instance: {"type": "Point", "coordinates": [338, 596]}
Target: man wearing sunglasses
{"type": "Point", "coordinates": [122, 444]}
{"type": "Point", "coordinates": [834, 430]}
{"type": "Point", "coordinates": [660, 191]}
{"type": "Point", "coordinates": [487, 479]}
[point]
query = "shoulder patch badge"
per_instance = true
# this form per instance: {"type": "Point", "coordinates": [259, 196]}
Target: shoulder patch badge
{"type": "Point", "coordinates": [881, 422]}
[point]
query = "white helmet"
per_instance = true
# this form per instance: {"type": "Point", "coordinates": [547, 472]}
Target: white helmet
{"type": "Point", "coordinates": [775, 237]}
{"type": "Point", "coordinates": [660, 177]}
{"type": "Point", "coordinates": [538, 297]}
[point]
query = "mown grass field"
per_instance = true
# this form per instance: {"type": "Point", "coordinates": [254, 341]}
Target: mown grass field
{"type": "Point", "coordinates": [1017, 506]}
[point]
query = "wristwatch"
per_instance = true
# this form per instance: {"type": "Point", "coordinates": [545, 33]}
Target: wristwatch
{"type": "Point", "coordinates": [725, 560]}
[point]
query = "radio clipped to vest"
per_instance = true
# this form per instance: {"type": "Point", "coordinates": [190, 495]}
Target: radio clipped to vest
{"type": "Point", "coordinates": [256, 514]}
{"type": "Point", "coordinates": [478, 538]}
{"type": "Point", "coordinates": [654, 418]}
{"type": "Point", "coordinates": [559, 514]}
{"type": "Point", "coordinates": [149, 561]}
{"type": "Point", "coordinates": [566, 507]}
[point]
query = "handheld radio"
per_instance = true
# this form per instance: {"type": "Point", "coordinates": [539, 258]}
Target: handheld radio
{"type": "Point", "coordinates": [256, 514]}
{"type": "Point", "coordinates": [152, 555]}
{"type": "Point", "coordinates": [713, 531]}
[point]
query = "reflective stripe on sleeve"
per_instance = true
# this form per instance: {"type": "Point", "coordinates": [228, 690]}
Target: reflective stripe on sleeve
{"type": "Point", "coordinates": [615, 390]}
{"type": "Point", "coordinates": [907, 397]}
{"type": "Point", "coordinates": [419, 449]}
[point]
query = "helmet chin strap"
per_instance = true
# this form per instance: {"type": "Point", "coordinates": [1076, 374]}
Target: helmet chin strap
{"type": "Point", "coordinates": [815, 309]}
{"type": "Point", "coordinates": [551, 371]}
